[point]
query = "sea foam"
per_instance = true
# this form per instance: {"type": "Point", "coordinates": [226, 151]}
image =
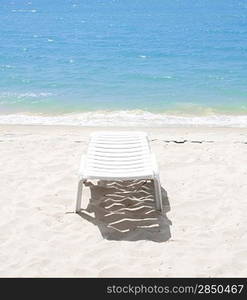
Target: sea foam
{"type": "Point", "coordinates": [125, 118]}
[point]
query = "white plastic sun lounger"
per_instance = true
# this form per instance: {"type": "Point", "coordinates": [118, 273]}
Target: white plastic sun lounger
{"type": "Point", "coordinates": [119, 155]}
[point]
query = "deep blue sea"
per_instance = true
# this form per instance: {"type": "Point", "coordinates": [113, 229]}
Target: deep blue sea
{"type": "Point", "coordinates": [104, 60]}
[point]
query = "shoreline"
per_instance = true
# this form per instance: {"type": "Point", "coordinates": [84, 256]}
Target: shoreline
{"type": "Point", "coordinates": [176, 131]}
{"type": "Point", "coordinates": [126, 118]}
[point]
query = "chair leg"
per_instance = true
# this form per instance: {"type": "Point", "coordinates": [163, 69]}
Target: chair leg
{"type": "Point", "coordinates": [79, 196]}
{"type": "Point", "coordinates": [157, 193]}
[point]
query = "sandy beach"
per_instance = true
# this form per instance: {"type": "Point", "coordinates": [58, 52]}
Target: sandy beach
{"type": "Point", "coordinates": [202, 233]}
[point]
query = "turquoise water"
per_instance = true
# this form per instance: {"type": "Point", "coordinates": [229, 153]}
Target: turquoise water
{"type": "Point", "coordinates": [184, 57]}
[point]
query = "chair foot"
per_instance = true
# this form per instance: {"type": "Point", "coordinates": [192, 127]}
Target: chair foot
{"type": "Point", "coordinates": [79, 196]}
{"type": "Point", "coordinates": [157, 194]}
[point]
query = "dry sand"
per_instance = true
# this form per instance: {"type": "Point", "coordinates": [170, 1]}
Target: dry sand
{"type": "Point", "coordinates": [202, 233]}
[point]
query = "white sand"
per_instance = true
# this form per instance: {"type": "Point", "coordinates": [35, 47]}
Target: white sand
{"type": "Point", "coordinates": [202, 234]}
